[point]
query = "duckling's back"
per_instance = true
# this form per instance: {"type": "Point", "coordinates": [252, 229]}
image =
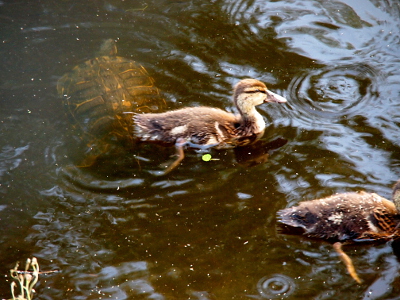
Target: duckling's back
{"type": "Point", "coordinates": [197, 125]}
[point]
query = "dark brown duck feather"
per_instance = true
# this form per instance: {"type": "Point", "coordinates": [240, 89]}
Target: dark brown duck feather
{"type": "Point", "coordinates": [200, 127]}
{"type": "Point", "coordinates": [197, 125]}
{"type": "Point", "coordinates": [346, 218]}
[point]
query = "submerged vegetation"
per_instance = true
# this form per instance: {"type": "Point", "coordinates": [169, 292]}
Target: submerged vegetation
{"type": "Point", "coordinates": [26, 280]}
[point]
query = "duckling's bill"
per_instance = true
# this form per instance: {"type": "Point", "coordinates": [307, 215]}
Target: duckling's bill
{"type": "Point", "coordinates": [272, 97]}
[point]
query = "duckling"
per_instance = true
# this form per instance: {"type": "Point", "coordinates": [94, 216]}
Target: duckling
{"type": "Point", "coordinates": [203, 127]}
{"type": "Point", "coordinates": [346, 218]}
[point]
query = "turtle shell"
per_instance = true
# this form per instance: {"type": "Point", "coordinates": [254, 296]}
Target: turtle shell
{"type": "Point", "coordinates": [101, 95]}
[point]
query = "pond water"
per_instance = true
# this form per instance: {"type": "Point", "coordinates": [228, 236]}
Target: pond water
{"type": "Point", "coordinates": [207, 230]}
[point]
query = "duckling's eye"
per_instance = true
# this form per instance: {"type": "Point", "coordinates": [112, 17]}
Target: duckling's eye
{"type": "Point", "coordinates": [256, 91]}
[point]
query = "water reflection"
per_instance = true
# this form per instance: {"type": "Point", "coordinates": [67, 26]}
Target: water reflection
{"type": "Point", "coordinates": [257, 153]}
{"type": "Point", "coordinates": [208, 230]}
{"type": "Point", "coordinates": [331, 93]}
{"type": "Point", "coordinates": [10, 158]}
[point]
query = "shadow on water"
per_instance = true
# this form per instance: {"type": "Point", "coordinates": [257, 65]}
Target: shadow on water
{"type": "Point", "coordinates": [207, 230]}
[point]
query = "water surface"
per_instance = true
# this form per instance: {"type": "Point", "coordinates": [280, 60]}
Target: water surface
{"type": "Point", "coordinates": [208, 229]}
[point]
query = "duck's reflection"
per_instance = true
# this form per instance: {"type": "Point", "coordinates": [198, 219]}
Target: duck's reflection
{"type": "Point", "coordinates": [258, 152]}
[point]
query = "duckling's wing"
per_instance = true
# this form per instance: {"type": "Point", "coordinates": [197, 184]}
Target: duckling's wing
{"type": "Point", "coordinates": [195, 124]}
{"type": "Point", "coordinates": [385, 219]}
{"type": "Point", "coordinates": [383, 224]}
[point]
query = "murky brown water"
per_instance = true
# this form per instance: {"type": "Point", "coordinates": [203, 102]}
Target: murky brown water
{"type": "Point", "coordinates": [207, 230]}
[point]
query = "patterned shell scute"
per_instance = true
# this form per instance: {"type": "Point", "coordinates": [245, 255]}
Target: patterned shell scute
{"type": "Point", "coordinates": [102, 93]}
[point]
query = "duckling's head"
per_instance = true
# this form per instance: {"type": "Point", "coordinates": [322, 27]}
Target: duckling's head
{"type": "Point", "coordinates": [251, 92]}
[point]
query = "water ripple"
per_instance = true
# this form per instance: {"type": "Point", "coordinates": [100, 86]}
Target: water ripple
{"type": "Point", "coordinates": [10, 158]}
{"type": "Point", "coordinates": [277, 286]}
{"type": "Point", "coordinates": [330, 93]}
{"type": "Point", "coordinates": [85, 180]}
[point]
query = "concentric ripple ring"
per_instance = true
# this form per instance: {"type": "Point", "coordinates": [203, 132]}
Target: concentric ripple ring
{"type": "Point", "coordinates": [334, 92]}
{"type": "Point", "coordinates": [277, 286]}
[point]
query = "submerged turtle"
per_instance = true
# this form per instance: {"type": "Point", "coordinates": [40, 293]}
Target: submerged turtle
{"type": "Point", "coordinates": [100, 96]}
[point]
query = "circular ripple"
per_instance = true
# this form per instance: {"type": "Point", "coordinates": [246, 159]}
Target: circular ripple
{"type": "Point", "coordinates": [330, 93]}
{"type": "Point", "coordinates": [277, 286]}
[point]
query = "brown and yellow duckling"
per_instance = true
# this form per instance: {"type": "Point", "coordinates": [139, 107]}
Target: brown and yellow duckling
{"type": "Point", "coordinates": [346, 218]}
{"type": "Point", "coordinates": [202, 127]}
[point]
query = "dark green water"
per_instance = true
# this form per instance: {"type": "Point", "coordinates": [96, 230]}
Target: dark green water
{"type": "Point", "coordinates": [208, 229]}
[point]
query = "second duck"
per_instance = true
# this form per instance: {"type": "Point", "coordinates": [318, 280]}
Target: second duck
{"type": "Point", "coordinates": [201, 127]}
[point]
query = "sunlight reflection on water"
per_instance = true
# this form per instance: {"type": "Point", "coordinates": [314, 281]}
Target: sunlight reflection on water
{"type": "Point", "coordinates": [206, 231]}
